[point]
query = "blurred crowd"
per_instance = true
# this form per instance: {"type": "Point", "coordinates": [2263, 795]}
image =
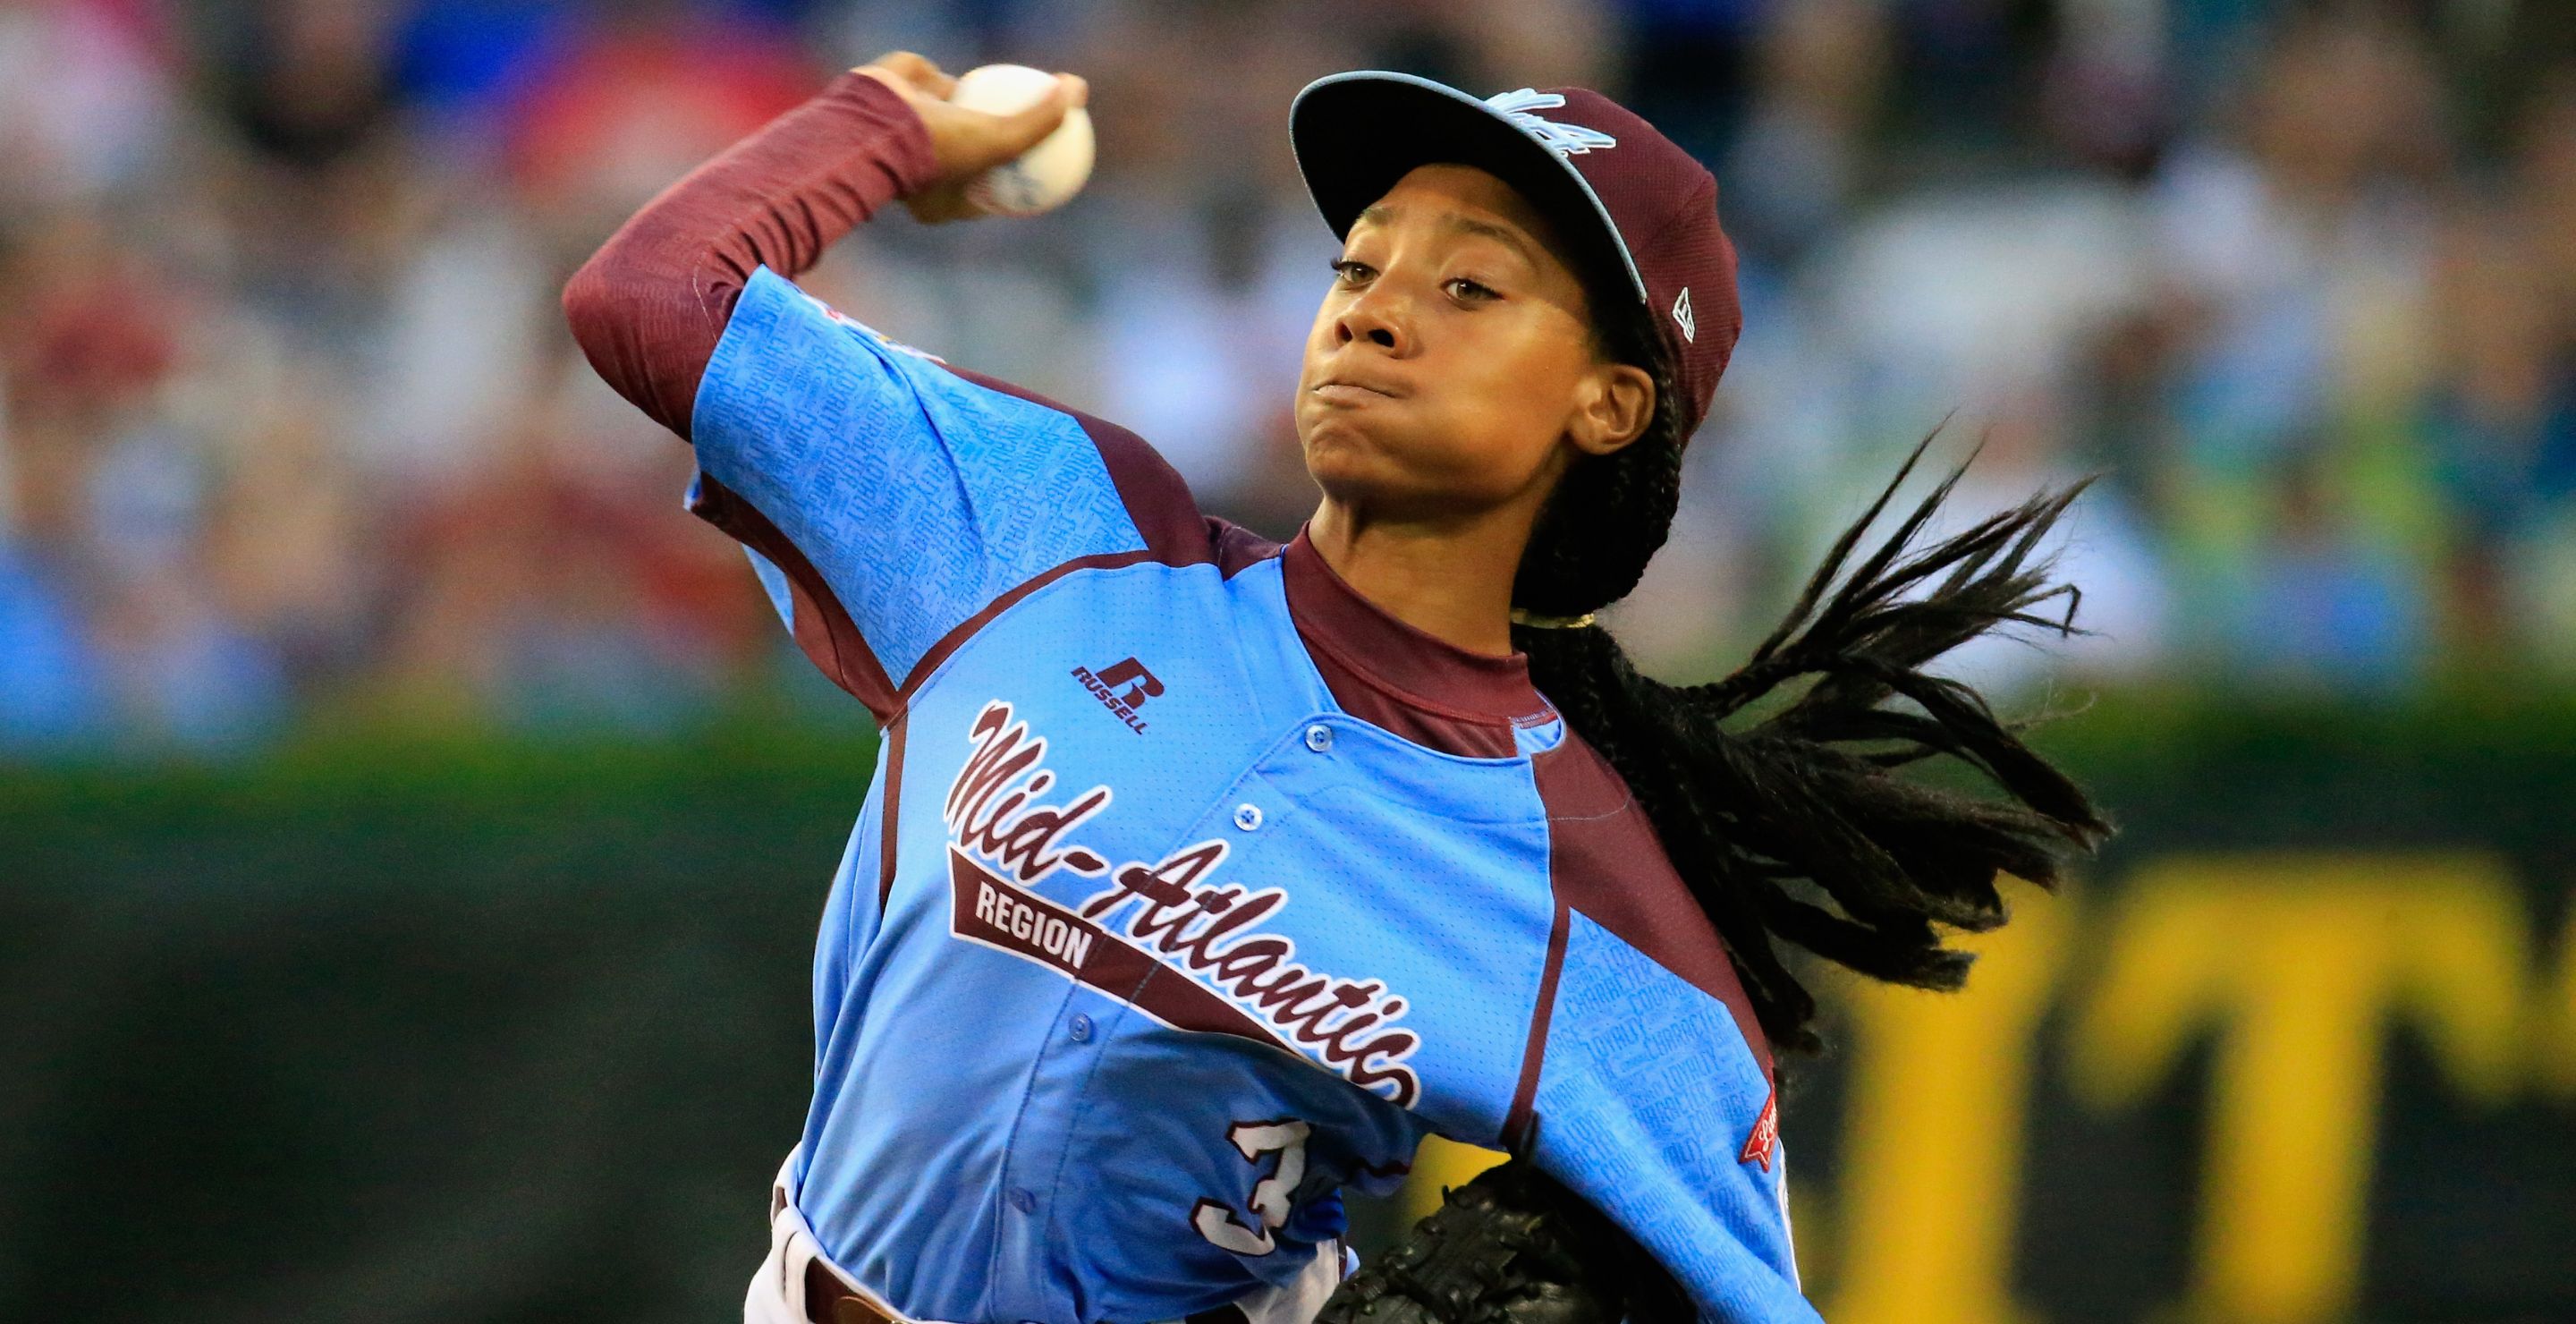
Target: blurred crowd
{"type": "Point", "coordinates": [291, 429]}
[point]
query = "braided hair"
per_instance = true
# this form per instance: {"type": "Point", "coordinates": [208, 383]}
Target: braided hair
{"type": "Point", "coordinates": [1801, 825]}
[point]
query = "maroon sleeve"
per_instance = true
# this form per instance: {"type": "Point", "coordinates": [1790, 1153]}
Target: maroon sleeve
{"type": "Point", "coordinates": [650, 305]}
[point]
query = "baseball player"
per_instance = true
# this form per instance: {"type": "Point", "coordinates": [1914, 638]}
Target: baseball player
{"type": "Point", "coordinates": [1202, 877]}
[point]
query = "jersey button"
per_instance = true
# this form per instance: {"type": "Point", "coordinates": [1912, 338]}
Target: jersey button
{"type": "Point", "coordinates": [1024, 1199]}
{"type": "Point", "coordinates": [1080, 1028]}
{"type": "Point", "coordinates": [1247, 816]}
{"type": "Point", "coordinates": [1319, 737]}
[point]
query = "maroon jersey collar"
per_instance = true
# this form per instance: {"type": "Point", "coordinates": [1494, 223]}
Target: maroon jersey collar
{"type": "Point", "coordinates": [1422, 671]}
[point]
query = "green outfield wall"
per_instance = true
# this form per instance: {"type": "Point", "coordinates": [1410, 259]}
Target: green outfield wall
{"type": "Point", "coordinates": [379, 1029]}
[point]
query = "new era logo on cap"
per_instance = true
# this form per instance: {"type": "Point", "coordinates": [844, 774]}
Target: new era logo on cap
{"type": "Point", "coordinates": [1659, 206]}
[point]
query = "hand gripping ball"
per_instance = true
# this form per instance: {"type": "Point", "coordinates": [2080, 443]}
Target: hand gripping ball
{"type": "Point", "coordinates": [1043, 177]}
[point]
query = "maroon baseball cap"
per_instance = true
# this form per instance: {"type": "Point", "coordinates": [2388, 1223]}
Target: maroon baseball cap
{"type": "Point", "coordinates": [1630, 198]}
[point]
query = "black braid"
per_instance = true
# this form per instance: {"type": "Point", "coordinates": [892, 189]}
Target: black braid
{"type": "Point", "coordinates": [1800, 826]}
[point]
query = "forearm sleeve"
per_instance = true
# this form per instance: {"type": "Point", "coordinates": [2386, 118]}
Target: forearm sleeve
{"type": "Point", "coordinates": [651, 304]}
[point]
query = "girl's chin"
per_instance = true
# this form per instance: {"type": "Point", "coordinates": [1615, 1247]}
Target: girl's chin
{"type": "Point", "coordinates": [1351, 479]}
{"type": "Point", "coordinates": [1335, 445]}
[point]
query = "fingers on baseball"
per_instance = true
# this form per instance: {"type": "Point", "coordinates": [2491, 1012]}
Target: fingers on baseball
{"type": "Point", "coordinates": [916, 70]}
{"type": "Point", "coordinates": [1028, 126]}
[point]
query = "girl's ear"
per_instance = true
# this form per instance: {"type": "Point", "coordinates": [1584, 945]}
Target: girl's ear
{"type": "Point", "coordinates": [1618, 405]}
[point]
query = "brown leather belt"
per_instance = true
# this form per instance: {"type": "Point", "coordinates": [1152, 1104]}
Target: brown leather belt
{"type": "Point", "coordinates": [828, 1300]}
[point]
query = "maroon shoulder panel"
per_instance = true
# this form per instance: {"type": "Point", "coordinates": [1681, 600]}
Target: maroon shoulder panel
{"type": "Point", "coordinates": [1608, 866]}
{"type": "Point", "coordinates": [1238, 548]}
{"type": "Point", "coordinates": [822, 626]}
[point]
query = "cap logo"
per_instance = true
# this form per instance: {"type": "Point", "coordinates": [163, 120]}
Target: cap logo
{"type": "Point", "coordinates": [1563, 139]}
{"type": "Point", "coordinates": [1682, 314]}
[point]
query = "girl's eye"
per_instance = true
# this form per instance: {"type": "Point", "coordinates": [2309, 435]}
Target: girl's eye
{"type": "Point", "coordinates": [1351, 272]}
{"type": "Point", "coordinates": [1469, 289]}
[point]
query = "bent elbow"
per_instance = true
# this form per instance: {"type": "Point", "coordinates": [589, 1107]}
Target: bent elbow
{"type": "Point", "coordinates": [592, 307]}
{"type": "Point", "coordinates": [621, 313]}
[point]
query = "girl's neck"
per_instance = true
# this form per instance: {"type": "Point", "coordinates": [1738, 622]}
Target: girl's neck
{"type": "Point", "coordinates": [1450, 581]}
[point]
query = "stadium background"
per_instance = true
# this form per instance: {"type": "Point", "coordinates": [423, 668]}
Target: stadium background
{"type": "Point", "coordinates": [410, 823]}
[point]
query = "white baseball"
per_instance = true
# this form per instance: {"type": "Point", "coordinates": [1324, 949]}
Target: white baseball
{"type": "Point", "coordinates": [1043, 177]}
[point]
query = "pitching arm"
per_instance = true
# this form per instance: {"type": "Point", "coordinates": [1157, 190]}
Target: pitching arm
{"type": "Point", "coordinates": [887, 500]}
{"type": "Point", "coordinates": [651, 305]}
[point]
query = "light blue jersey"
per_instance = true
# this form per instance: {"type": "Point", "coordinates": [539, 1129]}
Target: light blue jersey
{"type": "Point", "coordinates": [1192, 889]}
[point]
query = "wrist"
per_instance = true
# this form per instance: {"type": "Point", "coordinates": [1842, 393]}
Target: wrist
{"type": "Point", "coordinates": [903, 139]}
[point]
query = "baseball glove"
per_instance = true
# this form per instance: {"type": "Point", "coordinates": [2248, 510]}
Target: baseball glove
{"type": "Point", "coordinates": [1511, 1247]}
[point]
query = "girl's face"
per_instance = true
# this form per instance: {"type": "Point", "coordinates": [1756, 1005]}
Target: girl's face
{"type": "Point", "coordinates": [1451, 368]}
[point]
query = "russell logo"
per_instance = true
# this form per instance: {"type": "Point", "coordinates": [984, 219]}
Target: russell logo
{"type": "Point", "coordinates": [1122, 689]}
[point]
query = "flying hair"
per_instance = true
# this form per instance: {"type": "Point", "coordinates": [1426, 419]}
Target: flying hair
{"type": "Point", "coordinates": [1796, 815]}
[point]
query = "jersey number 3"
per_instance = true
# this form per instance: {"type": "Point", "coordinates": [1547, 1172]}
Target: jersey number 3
{"type": "Point", "coordinates": [1220, 1223]}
